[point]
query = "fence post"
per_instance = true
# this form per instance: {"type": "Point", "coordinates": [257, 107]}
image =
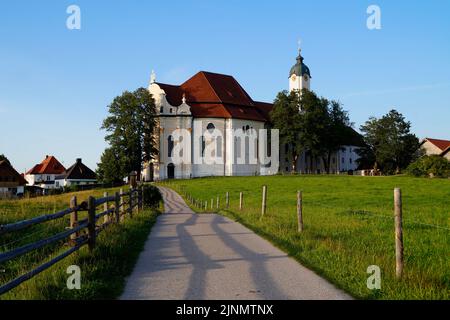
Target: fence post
{"type": "Point", "coordinates": [218, 203]}
{"type": "Point", "coordinates": [206, 205]}
{"type": "Point", "coordinates": [227, 200]}
{"type": "Point", "coordinates": [122, 205]}
{"type": "Point", "coordinates": [105, 208]}
{"type": "Point", "coordinates": [398, 233]}
{"type": "Point", "coordinates": [91, 223]}
{"type": "Point", "coordinates": [141, 197]}
{"type": "Point", "coordinates": [117, 207]}
{"type": "Point", "coordinates": [241, 200]}
{"type": "Point", "coordinates": [130, 197]}
{"type": "Point", "coordinates": [300, 211]}
{"type": "Point", "coordinates": [212, 204]}
{"type": "Point", "coordinates": [73, 218]}
{"type": "Point", "coordinates": [264, 200]}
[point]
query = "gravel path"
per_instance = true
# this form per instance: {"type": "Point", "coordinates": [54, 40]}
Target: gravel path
{"type": "Point", "coordinates": [207, 256]}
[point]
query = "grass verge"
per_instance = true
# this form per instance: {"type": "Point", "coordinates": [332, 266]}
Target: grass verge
{"type": "Point", "coordinates": [348, 227]}
{"type": "Point", "coordinates": [103, 271]}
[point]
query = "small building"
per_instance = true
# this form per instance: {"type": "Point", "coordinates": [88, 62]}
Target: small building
{"type": "Point", "coordinates": [435, 146]}
{"type": "Point", "coordinates": [77, 174]}
{"type": "Point", "coordinates": [11, 182]}
{"type": "Point", "coordinates": [43, 174]}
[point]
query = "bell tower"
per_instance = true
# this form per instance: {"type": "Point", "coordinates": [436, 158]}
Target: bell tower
{"type": "Point", "coordinates": [299, 76]}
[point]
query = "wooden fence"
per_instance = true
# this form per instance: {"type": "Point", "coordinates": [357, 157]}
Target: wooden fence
{"type": "Point", "coordinates": [398, 220]}
{"type": "Point", "coordinates": [79, 232]}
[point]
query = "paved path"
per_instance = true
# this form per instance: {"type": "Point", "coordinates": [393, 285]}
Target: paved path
{"type": "Point", "coordinates": [207, 256]}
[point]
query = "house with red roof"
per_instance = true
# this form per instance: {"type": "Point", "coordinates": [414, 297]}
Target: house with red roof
{"type": "Point", "coordinates": [219, 118]}
{"type": "Point", "coordinates": [43, 174]}
{"type": "Point", "coordinates": [436, 147]}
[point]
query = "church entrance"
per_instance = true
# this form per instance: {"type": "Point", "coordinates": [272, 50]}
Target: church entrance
{"type": "Point", "coordinates": [171, 171]}
{"type": "Point", "coordinates": [152, 168]}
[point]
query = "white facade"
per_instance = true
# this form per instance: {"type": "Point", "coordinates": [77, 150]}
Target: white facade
{"type": "Point", "coordinates": [62, 183]}
{"type": "Point", "coordinates": [180, 117]}
{"type": "Point", "coordinates": [42, 180]}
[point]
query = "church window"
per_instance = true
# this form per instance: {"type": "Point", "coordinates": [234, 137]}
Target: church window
{"type": "Point", "coordinates": [219, 146]}
{"type": "Point", "coordinates": [203, 144]}
{"type": "Point", "coordinates": [170, 110]}
{"type": "Point", "coordinates": [169, 146]}
{"type": "Point", "coordinates": [161, 110]}
{"type": "Point", "coordinates": [351, 160]}
{"type": "Point", "coordinates": [210, 127]}
{"type": "Point", "coordinates": [343, 160]}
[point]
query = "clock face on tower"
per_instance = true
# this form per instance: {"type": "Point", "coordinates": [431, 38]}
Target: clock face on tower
{"type": "Point", "coordinates": [294, 77]}
{"type": "Point", "coordinates": [305, 77]}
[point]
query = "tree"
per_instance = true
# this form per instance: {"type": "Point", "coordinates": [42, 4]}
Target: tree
{"type": "Point", "coordinates": [130, 126]}
{"type": "Point", "coordinates": [111, 167]}
{"type": "Point", "coordinates": [390, 144]}
{"type": "Point", "coordinates": [4, 158]}
{"type": "Point", "coordinates": [285, 117]}
{"type": "Point", "coordinates": [336, 132]}
{"type": "Point", "coordinates": [430, 166]}
{"type": "Point", "coordinates": [309, 124]}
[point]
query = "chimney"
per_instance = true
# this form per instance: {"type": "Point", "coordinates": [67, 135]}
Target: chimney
{"type": "Point", "coordinates": [78, 160]}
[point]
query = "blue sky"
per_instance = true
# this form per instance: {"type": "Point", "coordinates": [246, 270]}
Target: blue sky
{"type": "Point", "coordinates": [55, 83]}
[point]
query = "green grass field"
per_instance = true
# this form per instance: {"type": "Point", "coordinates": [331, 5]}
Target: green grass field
{"type": "Point", "coordinates": [102, 272]}
{"type": "Point", "coordinates": [349, 226]}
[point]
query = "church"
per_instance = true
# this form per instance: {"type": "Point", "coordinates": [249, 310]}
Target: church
{"type": "Point", "coordinates": [210, 102]}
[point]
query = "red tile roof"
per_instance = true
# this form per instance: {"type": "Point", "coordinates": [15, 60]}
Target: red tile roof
{"type": "Point", "coordinates": [217, 96]}
{"type": "Point", "coordinates": [441, 144]}
{"type": "Point", "coordinates": [447, 150]}
{"type": "Point", "coordinates": [50, 165]}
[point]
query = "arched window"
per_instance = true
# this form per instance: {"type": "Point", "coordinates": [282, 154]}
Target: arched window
{"type": "Point", "coordinates": [169, 146]}
{"type": "Point", "coordinates": [202, 146]}
{"type": "Point", "coordinates": [219, 146]}
{"type": "Point", "coordinates": [210, 127]}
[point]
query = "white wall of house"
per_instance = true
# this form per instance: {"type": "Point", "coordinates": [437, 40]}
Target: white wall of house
{"type": "Point", "coordinates": [14, 191]}
{"type": "Point", "coordinates": [61, 183]}
{"type": "Point", "coordinates": [430, 149]}
{"type": "Point", "coordinates": [347, 158]}
{"type": "Point", "coordinates": [35, 179]}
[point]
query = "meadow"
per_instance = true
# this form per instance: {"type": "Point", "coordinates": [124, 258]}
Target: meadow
{"type": "Point", "coordinates": [103, 271]}
{"type": "Point", "coordinates": [349, 226]}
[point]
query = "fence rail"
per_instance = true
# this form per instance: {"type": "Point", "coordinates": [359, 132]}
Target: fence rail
{"type": "Point", "coordinates": [112, 214]}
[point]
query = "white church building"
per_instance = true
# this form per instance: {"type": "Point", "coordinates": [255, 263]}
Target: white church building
{"type": "Point", "coordinates": [211, 102]}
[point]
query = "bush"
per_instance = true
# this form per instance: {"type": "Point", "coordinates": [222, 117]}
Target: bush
{"type": "Point", "coordinates": [430, 166]}
{"type": "Point", "coordinates": [152, 196]}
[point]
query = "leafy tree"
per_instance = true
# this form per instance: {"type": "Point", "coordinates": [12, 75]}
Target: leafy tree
{"type": "Point", "coordinates": [432, 166]}
{"type": "Point", "coordinates": [4, 158]}
{"type": "Point", "coordinates": [130, 126]}
{"type": "Point", "coordinates": [313, 125]}
{"type": "Point", "coordinates": [336, 133]}
{"type": "Point", "coordinates": [285, 117]}
{"type": "Point", "coordinates": [309, 124]}
{"type": "Point", "coordinates": [389, 142]}
{"type": "Point", "coordinates": [111, 167]}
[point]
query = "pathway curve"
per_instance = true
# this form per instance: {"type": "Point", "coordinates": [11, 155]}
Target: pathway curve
{"type": "Point", "coordinates": [207, 256]}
